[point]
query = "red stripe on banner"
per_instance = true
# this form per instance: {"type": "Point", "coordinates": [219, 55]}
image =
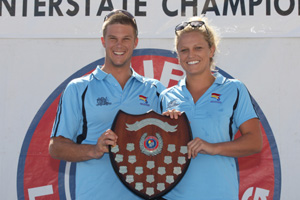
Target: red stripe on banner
{"type": "Point", "coordinates": [40, 169]}
{"type": "Point", "coordinates": [257, 171]}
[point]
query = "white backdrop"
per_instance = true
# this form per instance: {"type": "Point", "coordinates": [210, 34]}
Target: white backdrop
{"type": "Point", "coordinates": [32, 68]}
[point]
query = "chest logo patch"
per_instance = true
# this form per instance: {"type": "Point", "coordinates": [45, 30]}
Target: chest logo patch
{"type": "Point", "coordinates": [216, 98]}
{"type": "Point", "coordinates": [144, 100]}
{"type": "Point", "coordinates": [173, 104]}
{"type": "Point", "coordinates": [103, 101]}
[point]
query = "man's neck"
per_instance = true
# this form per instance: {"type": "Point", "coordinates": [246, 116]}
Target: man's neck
{"type": "Point", "coordinates": [121, 74]}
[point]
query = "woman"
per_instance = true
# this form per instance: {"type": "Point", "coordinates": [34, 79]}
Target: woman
{"type": "Point", "coordinates": [217, 108]}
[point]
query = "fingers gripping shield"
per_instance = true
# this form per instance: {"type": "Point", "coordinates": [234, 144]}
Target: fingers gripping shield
{"type": "Point", "coordinates": [150, 157]}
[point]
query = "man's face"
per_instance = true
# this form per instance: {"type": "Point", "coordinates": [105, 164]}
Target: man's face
{"type": "Point", "coordinates": [119, 43]}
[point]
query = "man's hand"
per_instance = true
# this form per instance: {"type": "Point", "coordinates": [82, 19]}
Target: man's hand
{"type": "Point", "coordinates": [106, 139]}
{"type": "Point", "coordinates": [65, 149]}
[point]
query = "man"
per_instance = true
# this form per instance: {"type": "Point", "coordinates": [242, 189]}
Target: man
{"type": "Point", "coordinates": [81, 132]}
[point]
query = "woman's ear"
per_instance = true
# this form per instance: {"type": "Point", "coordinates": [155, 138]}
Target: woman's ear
{"type": "Point", "coordinates": [212, 51]}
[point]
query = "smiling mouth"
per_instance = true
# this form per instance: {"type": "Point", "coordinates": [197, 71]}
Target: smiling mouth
{"type": "Point", "coordinates": [192, 62]}
{"type": "Point", "coordinates": [118, 53]}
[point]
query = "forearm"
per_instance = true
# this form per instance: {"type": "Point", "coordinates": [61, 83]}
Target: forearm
{"type": "Point", "coordinates": [245, 145]}
{"type": "Point", "coordinates": [250, 142]}
{"type": "Point", "coordinates": [65, 149]}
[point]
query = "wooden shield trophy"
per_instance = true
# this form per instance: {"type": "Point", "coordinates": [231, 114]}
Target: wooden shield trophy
{"type": "Point", "coordinates": [150, 157]}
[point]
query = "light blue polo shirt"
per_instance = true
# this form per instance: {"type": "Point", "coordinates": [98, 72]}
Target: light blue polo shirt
{"type": "Point", "coordinates": [215, 118]}
{"type": "Point", "coordinates": [87, 109]}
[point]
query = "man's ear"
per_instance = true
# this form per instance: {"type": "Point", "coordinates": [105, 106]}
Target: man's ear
{"type": "Point", "coordinates": [103, 41]}
{"type": "Point", "coordinates": [136, 42]}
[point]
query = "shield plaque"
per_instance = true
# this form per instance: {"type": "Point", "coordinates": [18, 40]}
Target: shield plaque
{"type": "Point", "coordinates": [150, 157]}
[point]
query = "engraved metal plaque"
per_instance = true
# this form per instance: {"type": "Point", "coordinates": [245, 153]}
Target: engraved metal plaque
{"type": "Point", "coordinates": [150, 157]}
{"type": "Point", "coordinates": [129, 178]}
{"type": "Point", "coordinates": [132, 159]}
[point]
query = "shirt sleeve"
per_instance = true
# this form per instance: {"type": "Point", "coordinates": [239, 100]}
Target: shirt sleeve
{"type": "Point", "coordinates": [159, 88]}
{"type": "Point", "coordinates": [245, 109]}
{"type": "Point", "coordinates": [68, 116]}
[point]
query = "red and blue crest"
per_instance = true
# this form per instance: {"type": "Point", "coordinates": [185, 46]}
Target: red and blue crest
{"type": "Point", "coordinates": [151, 143]}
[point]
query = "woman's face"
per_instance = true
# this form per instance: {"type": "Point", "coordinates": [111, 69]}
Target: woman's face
{"type": "Point", "coordinates": [194, 53]}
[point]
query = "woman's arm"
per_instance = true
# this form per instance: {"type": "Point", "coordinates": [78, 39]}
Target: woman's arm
{"type": "Point", "coordinates": [249, 143]}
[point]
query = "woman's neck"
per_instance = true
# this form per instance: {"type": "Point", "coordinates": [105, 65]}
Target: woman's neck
{"type": "Point", "coordinates": [198, 85]}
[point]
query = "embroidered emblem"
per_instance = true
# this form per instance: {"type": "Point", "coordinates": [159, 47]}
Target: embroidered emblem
{"type": "Point", "coordinates": [172, 104]}
{"type": "Point", "coordinates": [216, 98]}
{"type": "Point", "coordinates": [143, 100]}
{"type": "Point", "coordinates": [103, 101]}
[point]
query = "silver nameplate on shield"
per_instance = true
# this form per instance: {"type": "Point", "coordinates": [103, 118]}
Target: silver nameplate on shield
{"type": "Point", "coordinates": [150, 191]}
{"type": "Point", "coordinates": [181, 160]}
{"type": "Point", "coordinates": [139, 186]}
{"type": "Point", "coordinates": [183, 149]}
{"type": "Point", "coordinates": [171, 148]}
{"type": "Point", "coordinates": [131, 159]}
{"type": "Point", "coordinates": [150, 178]}
{"type": "Point", "coordinates": [119, 158]}
{"type": "Point", "coordinates": [150, 164]}
{"type": "Point", "coordinates": [161, 186]}
{"type": "Point", "coordinates": [170, 179]}
{"type": "Point", "coordinates": [123, 169]}
{"type": "Point", "coordinates": [161, 170]}
{"type": "Point", "coordinates": [130, 147]}
{"type": "Point", "coordinates": [168, 159]}
{"type": "Point", "coordinates": [177, 170]}
{"type": "Point", "coordinates": [138, 170]}
{"type": "Point", "coordinates": [115, 149]}
{"type": "Point", "coordinates": [129, 178]}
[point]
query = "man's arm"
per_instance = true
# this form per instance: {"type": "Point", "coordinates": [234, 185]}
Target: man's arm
{"type": "Point", "coordinates": [65, 149]}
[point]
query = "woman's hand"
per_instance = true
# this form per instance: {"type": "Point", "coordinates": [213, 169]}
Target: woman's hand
{"type": "Point", "coordinates": [173, 114]}
{"type": "Point", "coordinates": [198, 145]}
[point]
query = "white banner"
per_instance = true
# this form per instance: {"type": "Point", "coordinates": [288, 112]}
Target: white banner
{"type": "Point", "coordinates": [155, 18]}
